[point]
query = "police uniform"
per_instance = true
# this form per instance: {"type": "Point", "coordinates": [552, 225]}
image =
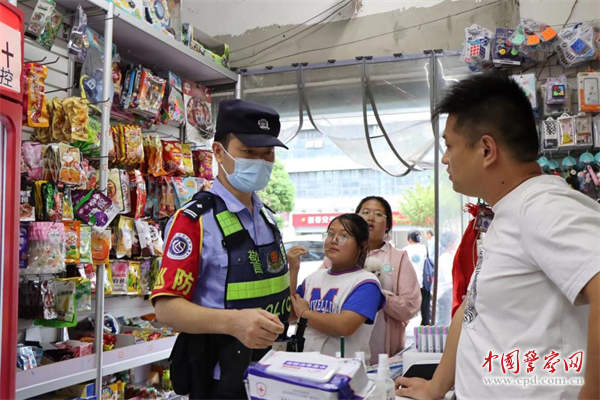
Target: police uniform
{"type": "Point", "coordinates": [219, 254]}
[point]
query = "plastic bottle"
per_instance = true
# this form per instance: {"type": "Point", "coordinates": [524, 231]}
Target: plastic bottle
{"type": "Point", "coordinates": [385, 389]}
{"type": "Point", "coordinates": [361, 356]}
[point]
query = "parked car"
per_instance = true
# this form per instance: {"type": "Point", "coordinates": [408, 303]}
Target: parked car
{"type": "Point", "coordinates": [311, 261]}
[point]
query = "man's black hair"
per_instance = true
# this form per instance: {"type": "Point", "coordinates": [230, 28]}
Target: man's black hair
{"type": "Point", "coordinates": [223, 138]}
{"type": "Point", "coordinates": [493, 104]}
{"type": "Point", "coordinates": [414, 236]}
{"type": "Point", "coordinates": [386, 206]}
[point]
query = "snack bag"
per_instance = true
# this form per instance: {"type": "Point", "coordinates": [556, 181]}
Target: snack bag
{"type": "Point", "coordinates": [138, 194]}
{"type": "Point", "coordinates": [71, 172]}
{"type": "Point", "coordinates": [125, 231]}
{"type": "Point", "coordinates": [27, 207]}
{"type": "Point", "coordinates": [125, 191]}
{"type": "Point", "coordinates": [134, 148]}
{"type": "Point", "coordinates": [23, 243]}
{"type": "Point", "coordinates": [101, 243]}
{"type": "Point", "coordinates": [188, 162]}
{"type": "Point", "coordinates": [34, 163]}
{"type": "Point", "coordinates": [144, 285]}
{"type": "Point", "coordinates": [114, 188]}
{"type": "Point", "coordinates": [46, 250]}
{"type": "Point", "coordinates": [173, 158]}
{"type": "Point", "coordinates": [83, 295]}
{"type": "Point", "coordinates": [97, 210]}
{"type": "Point", "coordinates": [120, 276]}
{"type": "Point", "coordinates": [37, 111]}
{"type": "Point", "coordinates": [145, 237]}
{"type": "Point", "coordinates": [156, 163]}
{"type": "Point", "coordinates": [52, 200]}
{"type": "Point", "coordinates": [72, 241]}
{"type": "Point", "coordinates": [203, 164]}
{"type": "Point", "coordinates": [78, 114]}
{"type": "Point", "coordinates": [85, 244]}
{"type": "Point", "coordinates": [134, 277]}
{"type": "Point", "coordinates": [156, 238]}
{"type": "Point", "coordinates": [68, 213]}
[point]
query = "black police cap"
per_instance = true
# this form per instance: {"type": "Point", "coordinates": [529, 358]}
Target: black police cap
{"type": "Point", "coordinates": [254, 124]}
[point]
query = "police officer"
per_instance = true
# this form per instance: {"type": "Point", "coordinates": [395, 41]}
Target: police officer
{"type": "Point", "coordinates": [224, 279]}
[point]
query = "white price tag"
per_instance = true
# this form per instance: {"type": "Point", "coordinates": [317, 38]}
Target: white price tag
{"type": "Point", "coordinates": [10, 58]}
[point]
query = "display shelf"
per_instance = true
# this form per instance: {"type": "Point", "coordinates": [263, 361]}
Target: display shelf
{"type": "Point", "coordinates": [138, 41]}
{"type": "Point", "coordinates": [52, 377]}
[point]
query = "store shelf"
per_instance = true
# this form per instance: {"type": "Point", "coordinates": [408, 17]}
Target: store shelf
{"type": "Point", "coordinates": [71, 372]}
{"type": "Point", "coordinates": [138, 41]}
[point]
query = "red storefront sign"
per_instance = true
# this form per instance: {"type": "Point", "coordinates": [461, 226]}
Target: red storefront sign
{"type": "Point", "coordinates": [323, 219]}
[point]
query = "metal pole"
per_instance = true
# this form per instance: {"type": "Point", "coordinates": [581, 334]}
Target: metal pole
{"type": "Point", "coordinates": [106, 89]}
{"type": "Point", "coordinates": [435, 123]}
{"type": "Point", "coordinates": [238, 87]}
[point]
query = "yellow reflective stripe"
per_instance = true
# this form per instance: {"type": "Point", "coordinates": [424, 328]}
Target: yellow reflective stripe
{"type": "Point", "coordinates": [229, 223]}
{"type": "Point", "coordinates": [261, 288]}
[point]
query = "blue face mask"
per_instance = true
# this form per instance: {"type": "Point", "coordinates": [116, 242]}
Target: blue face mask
{"type": "Point", "coordinates": [249, 175]}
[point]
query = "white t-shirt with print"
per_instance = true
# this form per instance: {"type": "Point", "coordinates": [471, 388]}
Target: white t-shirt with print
{"type": "Point", "coordinates": [417, 253]}
{"type": "Point", "coordinates": [540, 251]}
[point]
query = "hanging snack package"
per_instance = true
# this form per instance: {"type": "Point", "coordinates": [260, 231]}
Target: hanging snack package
{"type": "Point", "coordinates": [97, 210]}
{"type": "Point", "coordinates": [90, 146]}
{"type": "Point", "coordinates": [48, 299]}
{"type": "Point", "coordinates": [203, 164]}
{"type": "Point", "coordinates": [83, 295]}
{"type": "Point", "coordinates": [68, 212]}
{"type": "Point", "coordinates": [125, 190]}
{"type": "Point", "coordinates": [78, 39]}
{"type": "Point", "coordinates": [120, 276]}
{"type": "Point", "coordinates": [151, 206]}
{"type": "Point", "coordinates": [117, 134]}
{"type": "Point", "coordinates": [37, 111]}
{"type": "Point", "coordinates": [173, 158]}
{"type": "Point", "coordinates": [145, 237]}
{"type": "Point", "coordinates": [124, 237]}
{"type": "Point", "coordinates": [185, 189]}
{"type": "Point", "coordinates": [34, 162]}
{"type": "Point", "coordinates": [23, 242]}
{"type": "Point", "coordinates": [53, 199]}
{"type": "Point", "coordinates": [156, 163]}
{"type": "Point", "coordinates": [72, 241]}
{"type": "Point", "coordinates": [41, 14]}
{"type": "Point", "coordinates": [77, 112]}
{"type": "Point", "coordinates": [51, 29]}
{"type": "Point", "coordinates": [188, 162]}
{"type": "Point", "coordinates": [85, 244]}
{"type": "Point", "coordinates": [58, 121]}
{"type": "Point", "coordinates": [71, 172]}
{"type": "Point", "coordinates": [114, 189]}
{"type": "Point", "coordinates": [156, 237]}
{"type": "Point", "coordinates": [39, 200]}
{"type": "Point", "coordinates": [64, 292]}
{"type": "Point", "coordinates": [101, 243]}
{"type": "Point", "coordinates": [133, 285]}
{"type": "Point", "coordinates": [144, 285]}
{"type": "Point", "coordinates": [46, 250]}
{"type": "Point", "coordinates": [27, 206]}
{"type": "Point", "coordinates": [134, 147]}
{"type": "Point", "coordinates": [138, 194]}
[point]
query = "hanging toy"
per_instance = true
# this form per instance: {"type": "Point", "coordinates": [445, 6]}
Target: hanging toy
{"type": "Point", "coordinates": [550, 129]}
{"type": "Point", "coordinates": [476, 48]}
{"type": "Point", "coordinates": [567, 134]}
{"type": "Point", "coordinates": [583, 130]}
{"type": "Point", "coordinates": [505, 52]}
{"type": "Point", "coordinates": [575, 45]}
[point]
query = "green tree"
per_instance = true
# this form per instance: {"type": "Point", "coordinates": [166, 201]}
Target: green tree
{"type": "Point", "coordinates": [279, 193]}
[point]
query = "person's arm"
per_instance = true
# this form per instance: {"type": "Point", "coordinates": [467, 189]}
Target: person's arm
{"type": "Point", "coordinates": [294, 256]}
{"type": "Point", "coordinates": [342, 324]}
{"type": "Point", "coordinates": [591, 387]}
{"type": "Point", "coordinates": [402, 306]}
{"type": "Point", "coordinates": [255, 328]}
{"type": "Point", "coordinates": [443, 378]}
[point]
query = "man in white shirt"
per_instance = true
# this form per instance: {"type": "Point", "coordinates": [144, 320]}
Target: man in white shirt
{"type": "Point", "coordinates": [531, 320]}
{"type": "Point", "coordinates": [417, 253]}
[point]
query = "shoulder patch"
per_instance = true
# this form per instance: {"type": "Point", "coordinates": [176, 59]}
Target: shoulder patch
{"type": "Point", "coordinates": [198, 205]}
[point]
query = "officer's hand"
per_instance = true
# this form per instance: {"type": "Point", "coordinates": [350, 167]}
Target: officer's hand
{"type": "Point", "coordinates": [256, 329]}
{"type": "Point", "coordinates": [294, 255]}
{"type": "Point", "coordinates": [300, 305]}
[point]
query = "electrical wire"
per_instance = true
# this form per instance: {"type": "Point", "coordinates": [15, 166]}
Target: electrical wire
{"type": "Point", "coordinates": [571, 13]}
{"type": "Point", "coordinates": [289, 30]}
{"type": "Point", "coordinates": [296, 34]}
{"type": "Point", "coordinates": [376, 36]}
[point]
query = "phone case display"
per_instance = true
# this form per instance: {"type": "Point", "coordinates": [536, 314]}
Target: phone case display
{"type": "Point", "coordinates": [583, 130]}
{"type": "Point", "coordinates": [575, 45]}
{"type": "Point", "coordinates": [589, 91]}
{"type": "Point", "coordinates": [197, 99]}
{"type": "Point", "coordinates": [567, 130]}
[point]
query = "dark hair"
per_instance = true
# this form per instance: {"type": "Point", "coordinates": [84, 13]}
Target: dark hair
{"type": "Point", "coordinates": [358, 228]}
{"type": "Point", "coordinates": [414, 236]}
{"type": "Point", "coordinates": [429, 231]}
{"type": "Point", "coordinates": [495, 104]}
{"type": "Point", "coordinates": [386, 206]}
{"type": "Point", "coordinates": [223, 138]}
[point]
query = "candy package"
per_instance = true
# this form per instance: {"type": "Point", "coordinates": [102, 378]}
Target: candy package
{"type": "Point", "coordinates": [145, 237]}
{"type": "Point", "coordinates": [138, 194]}
{"type": "Point", "coordinates": [155, 265]}
{"type": "Point", "coordinates": [68, 212]}
{"type": "Point", "coordinates": [188, 162]}
{"type": "Point", "coordinates": [152, 203]}
{"type": "Point", "coordinates": [64, 291]}
{"type": "Point", "coordinates": [78, 114]}
{"type": "Point", "coordinates": [37, 110]}
{"type": "Point", "coordinates": [26, 358]}
{"type": "Point", "coordinates": [91, 144]}
{"type": "Point", "coordinates": [173, 158]}
{"type": "Point", "coordinates": [34, 163]}
{"type": "Point", "coordinates": [134, 277]}
{"type": "Point", "coordinates": [23, 243]}
{"type": "Point", "coordinates": [124, 237]}
{"type": "Point", "coordinates": [185, 189]}
{"type": "Point", "coordinates": [85, 244]}
{"type": "Point", "coordinates": [72, 241]}
{"type": "Point", "coordinates": [27, 206]}
{"type": "Point", "coordinates": [167, 207]}
{"type": "Point", "coordinates": [46, 250]}
{"type": "Point", "coordinates": [155, 161]}
{"type": "Point", "coordinates": [120, 276]}
{"type": "Point", "coordinates": [114, 189]}
{"type": "Point", "coordinates": [69, 160]}
{"type": "Point", "coordinates": [156, 238]}
{"type": "Point", "coordinates": [83, 295]}
{"type": "Point", "coordinates": [96, 210]}
{"type": "Point", "coordinates": [125, 191]}
{"type": "Point", "coordinates": [144, 285]}
{"type": "Point", "coordinates": [39, 200]}
{"type": "Point", "coordinates": [53, 202]}
{"type": "Point", "coordinates": [134, 148]}
{"type": "Point", "coordinates": [203, 164]}
{"type": "Point", "coordinates": [60, 130]}
{"type": "Point", "coordinates": [101, 243]}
